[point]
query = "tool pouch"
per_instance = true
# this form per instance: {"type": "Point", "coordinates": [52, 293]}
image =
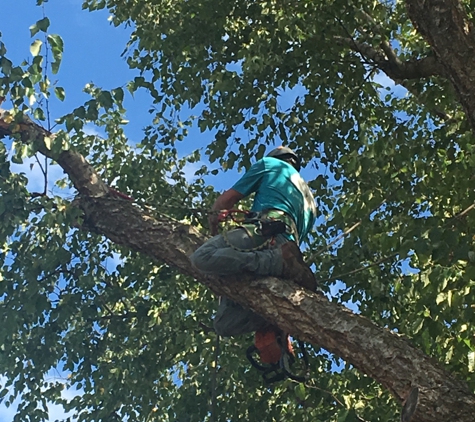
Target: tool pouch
{"type": "Point", "coordinates": [272, 228]}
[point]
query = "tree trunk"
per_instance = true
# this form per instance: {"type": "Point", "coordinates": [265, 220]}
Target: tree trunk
{"type": "Point", "coordinates": [450, 33]}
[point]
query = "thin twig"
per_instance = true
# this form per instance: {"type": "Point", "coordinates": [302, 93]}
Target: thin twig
{"type": "Point", "coordinates": [44, 170]}
{"type": "Point", "coordinates": [357, 270]}
{"type": "Point", "coordinates": [354, 226]}
{"type": "Point", "coordinates": [333, 396]}
{"type": "Point", "coordinates": [465, 211]}
{"type": "Point", "coordinates": [341, 236]}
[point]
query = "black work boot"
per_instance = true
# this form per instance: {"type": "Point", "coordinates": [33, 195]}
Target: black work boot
{"type": "Point", "coordinates": [294, 267]}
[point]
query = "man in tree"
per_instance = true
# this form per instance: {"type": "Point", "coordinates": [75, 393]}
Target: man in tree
{"type": "Point", "coordinates": [266, 244]}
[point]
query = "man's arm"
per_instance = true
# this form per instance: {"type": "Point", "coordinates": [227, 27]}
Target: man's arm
{"type": "Point", "coordinates": [224, 202]}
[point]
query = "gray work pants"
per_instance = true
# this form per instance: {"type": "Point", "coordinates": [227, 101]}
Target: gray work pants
{"type": "Point", "coordinates": [217, 257]}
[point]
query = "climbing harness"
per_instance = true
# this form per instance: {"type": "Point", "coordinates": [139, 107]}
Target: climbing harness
{"type": "Point", "coordinates": [275, 356]}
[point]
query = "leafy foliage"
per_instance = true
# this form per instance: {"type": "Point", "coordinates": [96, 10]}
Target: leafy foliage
{"type": "Point", "coordinates": [128, 334]}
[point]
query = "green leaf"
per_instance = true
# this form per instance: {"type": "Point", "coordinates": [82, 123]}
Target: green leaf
{"type": "Point", "coordinates": [92, 111]}
{"type": "Point", "coordinates": [299, 390]}
{"type": "Point", "coordinates": [343, 415]}
{"type": "Point", "coordinates": [55, 67]}
{"type": "Point", "coordinates": [118, 95]}
{"type": "Point", "coordinates": [47, 141]}
{"type": "Point", "coordinates": [471, 362]}
{"type": "Point", "coordinates": [105, 98]}
{"type": "Point", "coordinates": [39, 114]}
{"type": "Point", "coordinates": [80, 112]}
{"type": "Point", "coordinates": [57, 47]}
{"type": "Point", "coordinates": [41, 25]}
{"type": "Point", "coordinates": [35, 48]}
{"type": "Point", "coordinates": [60, 93]}
{"type": "Point", "coordinates": [56, 42]}
{"type": "Point", "coordinates": [6, 66]}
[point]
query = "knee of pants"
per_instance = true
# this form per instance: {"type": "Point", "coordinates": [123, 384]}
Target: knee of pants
{"type": "Point", "coordinates": [227, 329]}
{"type": "Point", "coordinates": [221, 330]}
{"type": "Point", "coordinates": [200, 260]}
{"type": "Point", "coordinates": [236, 320]}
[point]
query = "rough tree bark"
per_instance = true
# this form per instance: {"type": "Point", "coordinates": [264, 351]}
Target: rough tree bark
{"type": "Point", "coordinates": [450, 33]}
{"type": "Point", "coordinates": [384, 356]}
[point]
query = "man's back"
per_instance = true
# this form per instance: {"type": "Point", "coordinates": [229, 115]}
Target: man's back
{"type": "Point", "coordinates": [279, 186]}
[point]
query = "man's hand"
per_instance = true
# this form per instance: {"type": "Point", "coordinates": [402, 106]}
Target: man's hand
{"type": "Point", "coordinates": [224, 202]}
{"type": "Point", "coordinates": [213, 222]}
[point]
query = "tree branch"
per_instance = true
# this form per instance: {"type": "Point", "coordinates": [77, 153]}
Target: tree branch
{"type": "Point", "coordinates": [385, 45]}
{"type": "Point", "coordinates": [394, 68]}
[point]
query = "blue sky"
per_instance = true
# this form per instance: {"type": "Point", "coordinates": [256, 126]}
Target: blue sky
{"type": "Point", "coordinates": [92, 49]}
{"type": "Point", "coordinates": [92, 53]}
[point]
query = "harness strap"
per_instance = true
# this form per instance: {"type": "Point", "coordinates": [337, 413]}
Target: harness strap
{"type": "Point", "coordinates": [260, 242]}
{"type": "Point", "coordinates": [262, 219]}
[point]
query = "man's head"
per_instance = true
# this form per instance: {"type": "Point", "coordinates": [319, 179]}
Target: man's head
{"type": "Point", "coordinates": [286, 154]}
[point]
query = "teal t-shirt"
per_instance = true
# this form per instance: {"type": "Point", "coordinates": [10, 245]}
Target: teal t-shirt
{"type": "Point", "coordinates": [278, 185]}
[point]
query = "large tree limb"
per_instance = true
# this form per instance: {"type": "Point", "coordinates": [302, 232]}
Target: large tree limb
{"type": "Point", "coordinates": [387, 61]}
{"type": "Point", "coordinates": [450, 33]}
{"type": "Point", "coordinates": [401, 72]}
{"type": "Point", "coordinates": [386, 357]}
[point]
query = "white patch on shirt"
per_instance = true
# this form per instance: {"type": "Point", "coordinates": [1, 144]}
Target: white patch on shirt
{"type": "Point", "coordinates": [309, 203]}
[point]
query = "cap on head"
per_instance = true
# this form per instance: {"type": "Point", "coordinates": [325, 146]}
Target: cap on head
{"type": "Point", "coordinates": [284, 153]}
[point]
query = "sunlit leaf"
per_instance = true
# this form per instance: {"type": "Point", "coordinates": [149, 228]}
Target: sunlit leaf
{"type": "Point", "coordinates": [60, 93]}
{"type": "Point", "coordinates": [35, 48]}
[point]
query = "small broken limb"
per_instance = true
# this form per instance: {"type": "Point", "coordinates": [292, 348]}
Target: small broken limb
{"type": "Point", "coordinates": [410, 405]}
{"type": "Point", "coordinates": [121, 195]}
